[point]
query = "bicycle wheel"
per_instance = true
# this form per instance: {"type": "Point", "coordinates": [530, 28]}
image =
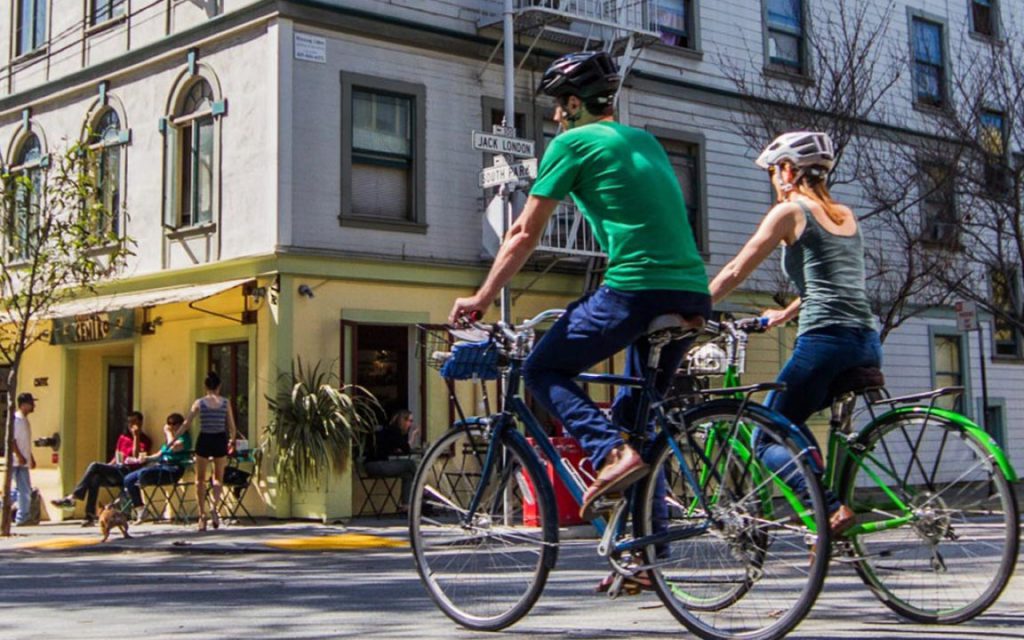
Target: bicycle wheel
{"type": "Point", "coordinates": [485, 570]}
{"type": "Point", "coordinates": [757, 559]}
{"type": "Point", "coordinates": [957, 544]}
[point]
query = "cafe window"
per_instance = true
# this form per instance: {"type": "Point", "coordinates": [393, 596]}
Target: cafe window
{"type": "Point", "coordinates": [231, 362]}
{"type": "Point", "coordinates": [383, 145]}
{"type": "Point", "coordinates": [784, 34]}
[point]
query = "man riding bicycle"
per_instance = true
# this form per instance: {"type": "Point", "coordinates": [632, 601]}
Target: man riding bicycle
{"type": "Point", "coordinates": [621, 179]}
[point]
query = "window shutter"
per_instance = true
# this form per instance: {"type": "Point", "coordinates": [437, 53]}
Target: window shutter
{"type": "Point", "coordinates": [171, 169]}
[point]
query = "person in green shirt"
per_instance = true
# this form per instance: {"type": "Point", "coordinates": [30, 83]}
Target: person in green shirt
{"type": "Point", "coordinates": [166, 466]}
{"type": "Point", "coordinates": [621, 180]}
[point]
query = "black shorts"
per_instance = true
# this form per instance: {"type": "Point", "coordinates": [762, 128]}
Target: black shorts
{"type": "Point", "coordinates": [212, 445]}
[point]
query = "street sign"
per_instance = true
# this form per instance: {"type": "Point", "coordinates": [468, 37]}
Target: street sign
{"type": "Point", "coordinates": [518, 147]}
{"type": "Point", "coordinates": [502, 173]}
{"type": "Point", "coordinates": [502, 130]}
{"type": "Point", "coordinates": [966, 315]}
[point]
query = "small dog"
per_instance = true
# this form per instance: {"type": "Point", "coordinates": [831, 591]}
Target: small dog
{"type": "Point", "coordinates": [111, 518]}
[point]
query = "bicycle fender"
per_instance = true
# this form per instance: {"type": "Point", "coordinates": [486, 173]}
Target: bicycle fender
{"type": "Point", "coordinates": [984, 437]}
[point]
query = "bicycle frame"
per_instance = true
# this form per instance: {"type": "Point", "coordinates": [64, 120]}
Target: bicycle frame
{"type": "Point", "coordinates": [514, 405]}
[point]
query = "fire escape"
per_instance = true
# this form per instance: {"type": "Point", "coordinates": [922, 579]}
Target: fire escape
{"type": "Point", "coordinates": [621, 27]}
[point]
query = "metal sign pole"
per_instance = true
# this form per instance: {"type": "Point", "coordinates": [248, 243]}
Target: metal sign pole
{"type": "Point", "coordinates": [984, 381]}
{"type": "Point", "coordinates": [510, 121]}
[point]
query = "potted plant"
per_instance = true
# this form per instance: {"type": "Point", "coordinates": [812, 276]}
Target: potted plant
{"type": "Point", "coordinates": [315, 424]}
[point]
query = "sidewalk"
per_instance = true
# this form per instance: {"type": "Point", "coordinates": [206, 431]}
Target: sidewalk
{"type": "Point", "coordinates": [266, 536]}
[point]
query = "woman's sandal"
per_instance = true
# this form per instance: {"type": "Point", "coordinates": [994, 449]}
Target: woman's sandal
{"type": "Point", "coordinates": [201, 525]}
{"type": "Point", "coordinates": [215, 520]}
{"type": "Point", "coordinates": [632, 585]}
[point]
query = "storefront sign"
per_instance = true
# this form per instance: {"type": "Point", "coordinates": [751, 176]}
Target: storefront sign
{"type": "Point", "coordinates": [95, 327]}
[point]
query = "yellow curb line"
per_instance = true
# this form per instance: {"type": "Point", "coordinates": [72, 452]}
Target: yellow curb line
{"type": "Point", "coordinates": [342, 542]}
{"type": "Point", "coordinates": [61, 543]}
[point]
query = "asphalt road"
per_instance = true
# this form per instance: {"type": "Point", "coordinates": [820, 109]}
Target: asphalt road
{"type": "Point", "coordinates": [160, 594]}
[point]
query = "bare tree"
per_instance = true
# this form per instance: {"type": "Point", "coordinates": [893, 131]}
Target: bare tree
{"type": "Point", "coordinates": [57, 240]}
{"type": "Point", "coordinates": [856, 65]}
{"type": "Point", "coordinates": [980, 128]}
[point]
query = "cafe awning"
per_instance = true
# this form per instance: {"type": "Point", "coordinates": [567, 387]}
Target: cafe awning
{"type": "Point", "coordinates": [151, 298]}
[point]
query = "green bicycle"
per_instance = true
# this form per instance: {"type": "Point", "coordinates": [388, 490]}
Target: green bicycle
{"type": "Point", "coordinates": [937, 530]}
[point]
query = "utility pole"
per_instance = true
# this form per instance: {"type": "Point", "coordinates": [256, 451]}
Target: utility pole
{"type": "Point", "coordinates": [508, 188]}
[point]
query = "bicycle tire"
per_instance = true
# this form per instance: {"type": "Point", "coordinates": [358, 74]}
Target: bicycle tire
{"type": "Point", "coordinates": [954, 557]}
{"type": "Point", "coordinates": [737, 578]}
{"type": "Point", "coordinates": [485, 574]}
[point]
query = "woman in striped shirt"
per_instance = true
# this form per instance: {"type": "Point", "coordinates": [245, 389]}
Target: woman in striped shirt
{"type": "Point", "coordinates": [216, 439]}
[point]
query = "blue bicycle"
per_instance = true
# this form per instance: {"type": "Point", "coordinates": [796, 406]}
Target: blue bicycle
{"type": "Point", "coordinates": [729, 552]}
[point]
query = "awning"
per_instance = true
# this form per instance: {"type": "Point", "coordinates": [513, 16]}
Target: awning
{"type": "Point", "coordinates": [153, 297]}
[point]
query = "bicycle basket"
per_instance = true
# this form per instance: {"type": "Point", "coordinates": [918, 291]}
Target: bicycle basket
{"type": "Point", "coordinates": [709, 359]}
{"type": "Point", "coordinates": [460, 359]}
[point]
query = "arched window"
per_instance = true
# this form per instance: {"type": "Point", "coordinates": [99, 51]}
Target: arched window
{"type": "Point", "coordinates": [106, 141]}
{"type": "Point", "coordinates": [28, 170]}
{"type": "Point", "coordinates": [193, 125]}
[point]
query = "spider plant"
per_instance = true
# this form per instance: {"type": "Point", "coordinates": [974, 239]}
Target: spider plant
{"type": "Point", "coordinates": [315, 423]}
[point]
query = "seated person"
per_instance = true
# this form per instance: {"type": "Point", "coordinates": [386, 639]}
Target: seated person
{"type": "Point", "coordinates": [391, 440]}
{"type": "Point", "coordinates": [132, 446]}
{"type": "Point", "coordinates": [163, 467]}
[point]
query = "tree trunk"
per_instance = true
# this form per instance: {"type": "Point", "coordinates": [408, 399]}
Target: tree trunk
{"type": "Point", "coordinates": [12, 390]}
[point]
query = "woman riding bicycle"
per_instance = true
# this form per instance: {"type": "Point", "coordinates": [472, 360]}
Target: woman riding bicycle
{"type": "Point", "coordinates": [823, 256]}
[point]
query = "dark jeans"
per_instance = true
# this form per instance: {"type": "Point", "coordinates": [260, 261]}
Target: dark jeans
{"type": "Point", "coordinates": [819, 357]}
{"type": "Point", "coordinates": [153, 475]}
{"type": "Point", "coordinates": [403, 468]}
{"type": "Point", "coordinates": [97, 475]}
{"type": "Point", "coordinates": [593, 329]}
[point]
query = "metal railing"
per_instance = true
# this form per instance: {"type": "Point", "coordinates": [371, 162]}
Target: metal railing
{"type": "Point", "coordinates": [568, 234]}
{"type": "Point", "coordinates": [636, 16]}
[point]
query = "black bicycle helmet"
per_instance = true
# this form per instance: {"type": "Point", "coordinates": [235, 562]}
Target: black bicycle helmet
{"type": "Point", "coordinates": [587, 74]}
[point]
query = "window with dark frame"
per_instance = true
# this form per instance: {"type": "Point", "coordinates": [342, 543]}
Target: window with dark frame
{"type": "Point", "coordinates": [992, 139]}
{"type": "Point", "coordinates": [195, 122]}
{"type": "Point", "coordinates": [382, 155]}
{"type": "Point", "coordinates": [28, 163]}
{"type": "Point", "coordinates": [948, 372]}
{"type": "Point", "coordinates": [939, 222]}
{"type": "Point", "coordinates": [685, 160]}
{"type": "Point", "coordinates": [929, 62]}
{"type": "Point", "coordinates": [1006, 297]}
{"type": "Point", "coordinates": [676, 24]}
{"type": "Point", "coordinates": [103, 10]}
{"type": "Point", "coordinates": [231, 362]}
{"type": "Point", "coordinates": [983, 17]}
{"type": "Point", "coordinates": [31, 26]}
{"type": "Point", "coordinates": [784, 24]}
{"type": "Point", "coordinates": [106, 144]}
{"type": "Point", "coordinates": [5, 370]}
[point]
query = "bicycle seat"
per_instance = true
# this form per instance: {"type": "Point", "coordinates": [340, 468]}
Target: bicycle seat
{"type": "Point", "coordinates": [675, 323]}
{"type": "Point", "coordinates": [856, 380]}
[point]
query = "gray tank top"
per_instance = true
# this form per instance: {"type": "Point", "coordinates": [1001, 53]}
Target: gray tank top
{"type": "Point", "coordinates": [828, 271]}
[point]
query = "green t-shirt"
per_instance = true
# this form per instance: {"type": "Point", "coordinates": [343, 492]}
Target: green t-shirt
{"type": "Point", "coordinates": [621, 179]}
{"type": "Point", "coordinates": [179, 458]}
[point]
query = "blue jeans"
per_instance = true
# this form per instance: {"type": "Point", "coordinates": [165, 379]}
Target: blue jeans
{"type": "Point", "coordinates": [593, 329]}
{"type": "Point", "coordinates": [23, 484]}
{"type": "Point", "coordinates": [153, 475]}
{"type": "Point", "coordinates": [819, 357]}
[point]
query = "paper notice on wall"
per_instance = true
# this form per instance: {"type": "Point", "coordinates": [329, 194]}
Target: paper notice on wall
{"type": "Point", "coordinates": [310, 48]}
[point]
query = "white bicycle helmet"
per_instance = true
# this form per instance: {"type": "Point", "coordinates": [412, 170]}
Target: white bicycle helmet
{"type": "Point", "coordinates": [804, 149]}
